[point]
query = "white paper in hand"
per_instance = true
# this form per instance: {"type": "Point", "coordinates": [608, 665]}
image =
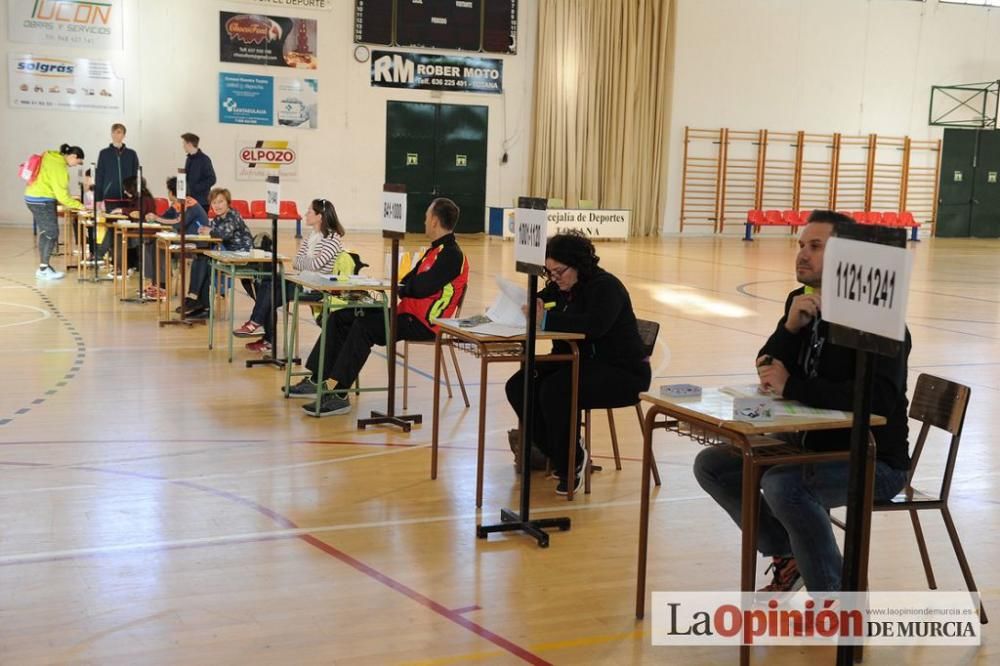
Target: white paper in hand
{"type": "Point", "coordinates": [506, 308]}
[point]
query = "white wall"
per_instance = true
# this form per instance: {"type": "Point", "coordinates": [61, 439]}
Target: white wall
{"type": "Point", "coordinates": [852, 66]}
{"type": "Point", "coordinates": [171, 65]}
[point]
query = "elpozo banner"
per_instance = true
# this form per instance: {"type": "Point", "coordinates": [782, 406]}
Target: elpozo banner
{"type": "Point", "coordinates": [75, 23]}
{"type": "Point", "coordinates": [256, 160]}
{"type": "Point", "coordinates": [41, 82]}
{"type": "Point", "coordinates": [291, 4]}
{"type": "Point", "coordinates": [251, 99]}
{"type": "Point", "coordinates": [421, 71]}
{"type": "Point", "coordinates": [276, 41]}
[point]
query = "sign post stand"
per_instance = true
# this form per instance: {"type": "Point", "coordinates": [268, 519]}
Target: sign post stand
{"type": "Point", "coordinates": [866, 276]}
{"type": "Point", "coordinates": [272, 205]}
{"type": "Point", "coordinates": [182, 198]}
{"type": "Point", "coordinates": [393, 227]}
{"type": "Point", "coordinates": [140, 296]}
{"type": "Point", "coordinates": [529, 255]}
{"type": "Point", "coordinates": [92, 241]}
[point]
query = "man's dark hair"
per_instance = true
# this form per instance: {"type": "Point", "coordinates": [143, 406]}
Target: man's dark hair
{"type": "Point", "coordinates": [193, 139]}
{"type": "Point", "coordinates": [838, 220]}
{"type": "Point", "coordinates": [575, 250]}
{"type": "Point", "coordinates": [446, 211]}
{"type": "Point", "coordinates": [172, 185]}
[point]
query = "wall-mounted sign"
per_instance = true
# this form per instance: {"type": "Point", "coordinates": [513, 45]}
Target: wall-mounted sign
{"type": "Point", "coordinates": [461, 160]}
{"type": "Point", "coordinates": [291, 4]}
{"type": "Point", "coordinates": [277, 41]}
{"type": "Point", "coordinates": [256, 160]}
{"type": "Point", "coordinates": [75, 23]}
{"type": "Point", "coordinates": [991, 176]}
{"type": "Point", "coordinates": [422, 71]}
{"type": "Point", "coordinates": [248, 99]}
{"type": "Point", "coordinates": [600, 224]}
{"type": "Point", "coordinates": [958, 177]}
{"type": "Point", "coordinates": [39, 82]}
{"type": "Point", "coordinates": [412, 159]}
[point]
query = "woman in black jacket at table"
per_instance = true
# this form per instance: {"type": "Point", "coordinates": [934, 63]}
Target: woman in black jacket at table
{"type": "Point", "coordinates": [581, 297]}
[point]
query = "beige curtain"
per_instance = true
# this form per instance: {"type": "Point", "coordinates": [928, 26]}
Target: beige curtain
{"type": "Point", "coordinates": [602, 80]}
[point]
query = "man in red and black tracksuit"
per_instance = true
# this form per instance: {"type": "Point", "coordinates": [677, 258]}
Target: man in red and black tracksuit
{"type": "Point", "coordinates": [433, 289]}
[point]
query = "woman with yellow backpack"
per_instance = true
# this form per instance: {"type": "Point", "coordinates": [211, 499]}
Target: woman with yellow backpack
{"type": "Point", "coordinates": [46, 188]}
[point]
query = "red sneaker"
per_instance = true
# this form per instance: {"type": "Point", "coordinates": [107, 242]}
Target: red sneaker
{"type": "Point", "coordinates": [249, 330]}
{"type": "Point", "coordinates": [262, 346]}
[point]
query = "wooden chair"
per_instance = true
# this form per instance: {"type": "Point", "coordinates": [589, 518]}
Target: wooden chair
{"type": "Point", "coordinates": [444, 365]}
{"type": "Point", "coordinates": [940, 403]}
{"type": "Point", "coordinates": [648, 331]}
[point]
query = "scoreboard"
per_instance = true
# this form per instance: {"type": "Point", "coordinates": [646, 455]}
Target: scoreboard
{"type": "Point", "coordinates": [466, 25]}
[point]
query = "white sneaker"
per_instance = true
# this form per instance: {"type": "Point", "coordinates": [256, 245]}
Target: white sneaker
{"type": "Point", "coordinates": [49, 273]}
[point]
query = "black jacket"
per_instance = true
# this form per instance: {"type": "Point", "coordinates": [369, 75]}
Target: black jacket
{"type": "Point", "coordinates": [832, 385]}
{"type": "Point", "coordinates": [200, 177]}
{"type": "Point", "coordinates": [601, 309]}
{"type": "Point", "coordinates": [113, 167]}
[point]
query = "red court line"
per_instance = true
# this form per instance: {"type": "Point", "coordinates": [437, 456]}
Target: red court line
{"type": "Point", "coordinates": [355, 563]}
{"type": "Point", "coordinates": [466, 609]}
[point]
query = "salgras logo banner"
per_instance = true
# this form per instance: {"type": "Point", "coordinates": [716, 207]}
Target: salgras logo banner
{"type": "Point", "coordinates": [41, 82]}
{"type": "Point", "coordinates": [91, 24]}
{"type": "Point", "coordinates": [419, 71]}
{"type": "Point", "coordinates": [277, 41]}
{"type": "Point", "coordinates": [256, 160]}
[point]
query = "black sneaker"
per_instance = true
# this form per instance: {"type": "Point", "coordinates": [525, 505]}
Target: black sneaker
{"type": "Point", "coordinates": [191, 306]}
{"type": "Point", "coordinates": [786, 575]}
{"type": "Point", "coordinates": [303, 389]}
{"type": "Point", "coordinates": [332, 405]}
{"type": "Point", "coordinates": [561, 488]}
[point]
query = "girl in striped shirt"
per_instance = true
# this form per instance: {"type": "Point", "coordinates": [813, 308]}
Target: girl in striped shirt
{"type": "Point", "coordinates": [317, 254]}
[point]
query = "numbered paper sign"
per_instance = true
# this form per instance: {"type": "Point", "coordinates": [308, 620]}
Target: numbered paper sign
{"type": "Point", "coordinates": [394, 212]}
{"type": "Point", "coordinates": [530, 236]}
{"type": "Point", "coordinates": [182, 185]}
{"type": "Point", "coordinates": [273, 196]}
{"type": "Point", "coordinates": [865, 286]}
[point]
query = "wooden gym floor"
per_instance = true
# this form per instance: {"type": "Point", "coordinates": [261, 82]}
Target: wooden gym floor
{"type": "Point", "coordinates": [161, 506]}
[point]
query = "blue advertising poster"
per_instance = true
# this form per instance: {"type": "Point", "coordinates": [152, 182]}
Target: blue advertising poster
{"type": "Point", "coordinates": [245, 99]}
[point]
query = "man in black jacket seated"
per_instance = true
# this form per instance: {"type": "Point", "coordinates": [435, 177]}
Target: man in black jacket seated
{"type": "Point", "coordinates": [581, 297]}
{"type": "Point", "coordinates": [798, 362]}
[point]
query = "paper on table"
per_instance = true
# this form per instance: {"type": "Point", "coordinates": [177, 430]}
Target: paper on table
{"type": "Point", "coordinates": [506, 308]}
{"type": "Point", "coordinates": [484, 327]}
{"type": "Point", "coordinates": [744, 391]}
{"type": "Point", "coordinates": [790, 408]}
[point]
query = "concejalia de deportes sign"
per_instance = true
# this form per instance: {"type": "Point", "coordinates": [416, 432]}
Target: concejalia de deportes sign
{"type": "Point", "coordinates": [421, 71]}
{"type": "Point", "coordinates": [75, 23]}
{"type": "Point", "coordinates": [291, 4]}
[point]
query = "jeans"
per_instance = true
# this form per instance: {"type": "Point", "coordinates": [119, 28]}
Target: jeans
{"type": "Point", "coordinates": [350, 342]}
{"type": "Point", "coordinates": [601, 385]}
{"type": "Point", "coordinates": [47, 222]}
{"type": "Point", "coordinates": [262, 305]}
{"type": "Point", "coordinates": [794, 513]}
{"type": "Point", "coordinates": [201, 272]}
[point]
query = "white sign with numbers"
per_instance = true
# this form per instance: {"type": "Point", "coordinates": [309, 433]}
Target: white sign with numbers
{"type": "Point", "coordinates": [273, 199]}
{"type": "Point", "coordinates": [182, 185]}
{"type": "Point", "coordinates": [530, 236]}
{"type": "Point", "coordinates": [866, 286]}
{"type": "Point", "coordinates": [394, 212]}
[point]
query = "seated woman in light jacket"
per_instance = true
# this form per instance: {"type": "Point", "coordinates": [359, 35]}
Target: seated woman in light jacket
{"type": "Point", "coordinates": [317, 253]}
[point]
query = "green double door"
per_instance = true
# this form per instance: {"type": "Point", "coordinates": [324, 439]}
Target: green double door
{"type": "Point", "coordinates": [969, 192]}
{"type": "Point", "coordinates": [438, 150]}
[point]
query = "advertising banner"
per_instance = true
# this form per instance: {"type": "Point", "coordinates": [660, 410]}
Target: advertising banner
{"type": "Point", "coordinates": [76, 23]}
{"type": "Point", "coordinates": [40, 82]}
{"type": "Point", "coordinates": [246, 99]}
{"type": "Point", "coordinates": [421, 71]}
{"type": "Point", "coordinates": [249, 99]}
{"type": "Point", "coordinates": [290, 4]}
{"type": "Point", "coordinates": [275, 41]}
{"type": "Point", "coordinates": [256, 160]}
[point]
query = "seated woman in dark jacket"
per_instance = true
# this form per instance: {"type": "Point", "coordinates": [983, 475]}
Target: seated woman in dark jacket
{"type": "Point", "coordinates": [581, 297]}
